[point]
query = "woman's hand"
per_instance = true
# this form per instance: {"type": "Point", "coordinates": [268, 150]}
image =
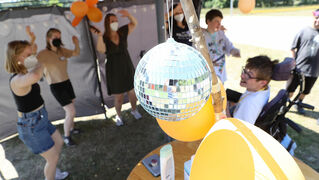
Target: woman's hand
{"type": "Point", "coordinates": [32, 39]}
{"type": "Point", "coordinates": [75, 40]}
{"type": "Point", "coordinates": [96, 31]}
{"type": "Point", "coordinates": [76, 50]}
{"type": "Point", "coordinates": [30, 34]}
{"type": "Point", "coordinates": [100, 46]}
{"type": "Point", "coordinates": [124, 13]}
{"type": "Point", "coordinates": [133, 21]}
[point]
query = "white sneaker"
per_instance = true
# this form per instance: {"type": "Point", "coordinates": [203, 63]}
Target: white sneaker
{"type": "Point", "coordinates": [59, 175]}
{"type": "Point", "coordinates": [119, 121]}
{"type": "Point", "coordinates": [136, 114]}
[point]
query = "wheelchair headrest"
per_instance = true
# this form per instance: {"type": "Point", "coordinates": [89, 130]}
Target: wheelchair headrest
{"type": "Point", "coordinates": [282, 71]}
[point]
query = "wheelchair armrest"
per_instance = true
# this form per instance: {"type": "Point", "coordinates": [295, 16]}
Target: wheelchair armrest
{"type": "Point", "coordinates": [232, 95]}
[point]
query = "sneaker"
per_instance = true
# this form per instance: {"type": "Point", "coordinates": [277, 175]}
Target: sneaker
{"type": "Point", "coordinates": [119, 121]}
{"type": "Point", "coordinates": [68, 141]}
{"type": "Point", "coordinates": [59, 175]}
{"type": "Point", "coordinates": [136, 114]}
{"type": "Point", "coordinates": [75, 131]}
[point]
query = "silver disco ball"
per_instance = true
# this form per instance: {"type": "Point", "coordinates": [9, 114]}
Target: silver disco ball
{"type": "Point", "coordinates": [172, 81]}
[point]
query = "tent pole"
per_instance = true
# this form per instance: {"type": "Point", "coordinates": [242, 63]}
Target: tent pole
{"type": "Point", "coordinates": [231, 7]}
{"type": "Point", "coordinates": [200, 44]}
{"type": "Point", "coordinates": [95, 62]}
{"type": "Point", "coordinates": [160, 21]}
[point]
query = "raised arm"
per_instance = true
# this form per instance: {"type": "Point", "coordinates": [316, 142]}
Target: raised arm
{"type": "Point", "coordinates": [133, 22]}
{"type": "Point", "coordinates": [76, 50]}
{"type": "Point", "coordinates": [25, 80]}
{"type": "Point", "coordinates": [100, 47]}
{"type": "Point", "coordinates": [32, 40]}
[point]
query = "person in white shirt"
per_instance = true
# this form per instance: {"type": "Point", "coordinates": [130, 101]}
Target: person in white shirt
{"type": "Point", "coordinates": [255, 77]}
{"type": "Point", "coordinates": [217, 43]}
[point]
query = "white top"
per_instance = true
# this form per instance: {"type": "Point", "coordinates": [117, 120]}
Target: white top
{"type": "Point", "coordinates": [218, 46]}
{"type": "Point", "coordinates": [250, 105]}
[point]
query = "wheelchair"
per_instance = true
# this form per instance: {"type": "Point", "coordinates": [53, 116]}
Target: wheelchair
{"type": "Point", "coordinates": [272, 118]}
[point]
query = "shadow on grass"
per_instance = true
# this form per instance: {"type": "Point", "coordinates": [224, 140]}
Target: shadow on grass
{"type": "Point", "coordinates": [308, 145]}
{"type": "Point", "coordinates": [104, 150]}
{"type": "Point", "coordinates": [308, 113]}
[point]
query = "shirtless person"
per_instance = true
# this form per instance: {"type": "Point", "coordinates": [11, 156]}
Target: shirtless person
{"type": "Point", "coordinates": [54, 59]}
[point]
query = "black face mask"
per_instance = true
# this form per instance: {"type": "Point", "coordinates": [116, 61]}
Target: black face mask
{"type": "Point", "coordinates": [57, 42]}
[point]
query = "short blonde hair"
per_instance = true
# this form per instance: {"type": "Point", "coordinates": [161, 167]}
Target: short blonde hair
{"type": "Point", "coordinates": [14, 49]}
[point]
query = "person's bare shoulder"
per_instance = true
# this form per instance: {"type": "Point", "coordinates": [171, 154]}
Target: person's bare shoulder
{"type": "Point", "coordinates": [43, 55]}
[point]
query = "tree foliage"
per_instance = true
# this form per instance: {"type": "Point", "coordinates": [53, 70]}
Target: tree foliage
{"type": "Point", "coordinates": [35, 3]}
{"type": "Point", "coordinates": [259, 3]}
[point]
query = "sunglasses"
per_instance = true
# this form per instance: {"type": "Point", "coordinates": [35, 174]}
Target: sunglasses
{"type": "Point", "coordinates": [247, 74]}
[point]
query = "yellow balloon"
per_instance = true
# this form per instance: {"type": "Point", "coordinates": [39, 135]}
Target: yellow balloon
{"type": "Point", "coordinates": [245, 6]}
{"type": "Point", "coordinates": [193, 128]}
{"type": "Point", "coordinates": [234, 149]}
{"type": "Point", "coordinates": [223, 155]}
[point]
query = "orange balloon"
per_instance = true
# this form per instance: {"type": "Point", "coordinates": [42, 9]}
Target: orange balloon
{"type": "Point", "coordinates": [94, 14]}
{"type": "Point", "coordinates": [79, 8]}
{"type": "Point", "coordinates": [76, 21]}
{"type": "Point", "coordinates": [193, 128]}
{"type": "Point", "coordinates": [91, 3]}
{"type": "Point", "coordinates": [245, 6]}
{"type": "Point", "coordinates": [223, 154]}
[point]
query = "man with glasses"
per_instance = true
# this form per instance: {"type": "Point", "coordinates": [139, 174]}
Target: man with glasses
{"type": "Point", "coordinates": [305, 50]}
{"type": "Point", "coordinates": [255, 76]}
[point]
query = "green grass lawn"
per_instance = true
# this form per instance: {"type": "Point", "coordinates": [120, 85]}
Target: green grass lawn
{"type": "Point", "coordinates": [105, 151]}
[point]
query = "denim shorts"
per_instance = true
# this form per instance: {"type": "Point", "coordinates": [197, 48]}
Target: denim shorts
{"type": "Point", "coordinates": [35, 131]}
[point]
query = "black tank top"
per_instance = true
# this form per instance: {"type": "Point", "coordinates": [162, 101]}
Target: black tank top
{"type": "Point", "coordinates": [30, 101]}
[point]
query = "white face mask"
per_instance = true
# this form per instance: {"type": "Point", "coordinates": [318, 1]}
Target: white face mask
{"type": "Point", "coordinates": [179, 17]}
{"type": "Point", "coordinates": [114, 26]}
{"type": "Point", "coordinates": [30, 62]}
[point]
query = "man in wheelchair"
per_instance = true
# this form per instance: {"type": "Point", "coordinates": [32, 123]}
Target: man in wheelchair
{"type": "Point", "coordinates": [255, 76]}
{"type": "Point", "coordinates": [271, 116]}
